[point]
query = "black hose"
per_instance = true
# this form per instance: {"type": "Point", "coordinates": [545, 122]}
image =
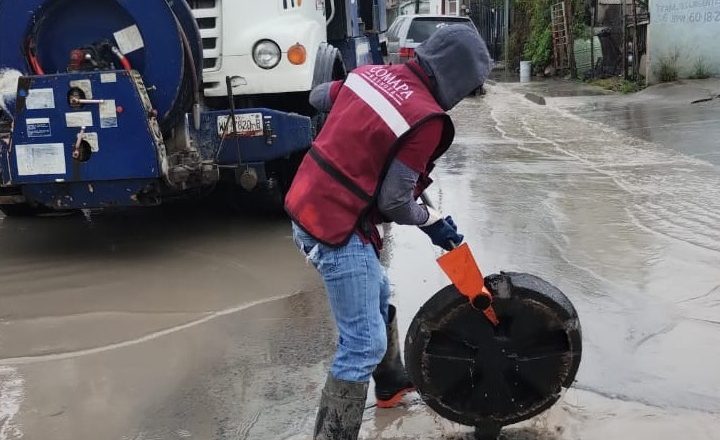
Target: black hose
{"type": "Point", "coordinates": [193, 69]}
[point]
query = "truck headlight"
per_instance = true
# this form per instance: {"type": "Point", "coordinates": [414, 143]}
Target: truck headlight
{"type": "Point", "coordinates": [266, 54]}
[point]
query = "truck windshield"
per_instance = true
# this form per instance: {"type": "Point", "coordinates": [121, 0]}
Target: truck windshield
{"type": "Point", "coordinates": [422, 28]}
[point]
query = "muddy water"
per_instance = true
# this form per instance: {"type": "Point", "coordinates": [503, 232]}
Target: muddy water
{"type": "Point", "coordinates": [680, 116]}
{"type": "Point", "coordinates": [629, 230]}
{"type": "Point", "coordinates": [178, 324]}
{"type": "Point", "coordinates": [124, 325]}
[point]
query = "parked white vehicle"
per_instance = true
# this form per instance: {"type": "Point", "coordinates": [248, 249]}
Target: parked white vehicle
{"type": "Point", "coordinates": [408, 31]}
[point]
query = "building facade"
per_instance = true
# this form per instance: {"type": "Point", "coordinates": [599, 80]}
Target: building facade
{"type": "Point", "coordinates": [449, 7]}
{"type": "Point", "coordinates": [435, 7]}
{"type": "Point", "coordinates": [684, 35]}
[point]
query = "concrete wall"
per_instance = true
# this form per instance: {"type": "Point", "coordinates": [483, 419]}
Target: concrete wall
{"type": "Point", "coordinates": [404, 7]}
{"type": "Point", "coordinates": [688, 28]}
{"type": "Point", "coordinates": [436, 6]}
{"type": "Point", "coordinates": [408, 7]}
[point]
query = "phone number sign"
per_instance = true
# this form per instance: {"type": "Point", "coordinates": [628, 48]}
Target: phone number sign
{"type": "Point", "coordinates": [686, 12]}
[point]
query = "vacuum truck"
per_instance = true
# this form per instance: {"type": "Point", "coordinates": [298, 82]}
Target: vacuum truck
{"type": "Point", "coordinates": [115, 103]}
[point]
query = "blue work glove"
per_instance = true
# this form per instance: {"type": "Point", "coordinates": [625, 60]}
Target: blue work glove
{"type": "Point", "coordinates": [443, 233]}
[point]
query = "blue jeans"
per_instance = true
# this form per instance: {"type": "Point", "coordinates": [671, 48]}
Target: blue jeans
{"type": "Point", "coordinates": [359, 293]}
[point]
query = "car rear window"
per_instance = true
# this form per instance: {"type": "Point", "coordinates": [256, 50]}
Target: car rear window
{"type": "Point", "coordinates": [422, 28]}
{"type": "Point", "coordinates": [392, 33]}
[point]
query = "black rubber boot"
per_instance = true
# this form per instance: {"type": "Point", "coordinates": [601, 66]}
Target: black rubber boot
{"type": "Point", "coordinates": [391, 381]}
{"type": "Point", "coordinates": [341, 410]}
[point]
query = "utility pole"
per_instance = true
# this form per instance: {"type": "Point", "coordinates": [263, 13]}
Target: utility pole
{"type": "Point", "coordinates": [592, 41]}
{"type": "Point", "coordinates": [624, 39]}
{"type": "Point", "coordinates": [506, 38]}
{"type": "Point", "coordinates": [636, 50]}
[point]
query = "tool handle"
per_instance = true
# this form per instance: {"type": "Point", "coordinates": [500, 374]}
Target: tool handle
{"type": "Point", "coordinates": [427, 201]}
{"type": "Point", "coordinates": [231, 101]}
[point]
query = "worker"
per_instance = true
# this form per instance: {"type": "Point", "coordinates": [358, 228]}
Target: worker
{"type": "Point", "coordinates": [371, 161]}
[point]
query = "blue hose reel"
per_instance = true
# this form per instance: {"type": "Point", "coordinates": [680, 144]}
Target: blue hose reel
{"type": "Point", "coordinates": [159, 39]}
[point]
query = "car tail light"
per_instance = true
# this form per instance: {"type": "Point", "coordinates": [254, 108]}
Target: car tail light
{"type": "Point", "coordinates": [407, 52]}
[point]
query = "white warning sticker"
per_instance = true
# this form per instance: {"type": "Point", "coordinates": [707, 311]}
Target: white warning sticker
{"type": "Point", "coordinates": [39, 99]}
{"type": "Point", "coordinates": [108, 77]}
{"type": "Point", "coordinates": [79, 119]}
{"type": "Point", "coordinates": [38, 127]}
{"type": "Point", "coordinates": [85, 85]}
{"type": "Point", "coordinates": [129, 39]}
{"type": "Point", "coordinates": [39, 159]}
{"type": "Point", "coordinates": [108, 114]}
{"type": "Point", "coordinates": [92, 139]}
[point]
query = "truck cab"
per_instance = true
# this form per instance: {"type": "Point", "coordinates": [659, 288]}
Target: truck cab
{"type": "Point", "coordinates": [265, 47]}
{"type": "Point", "coordinates": [276, 48]}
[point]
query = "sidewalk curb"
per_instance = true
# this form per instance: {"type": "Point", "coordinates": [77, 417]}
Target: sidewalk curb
{"type": "Point", "coordinates": [532, 97]}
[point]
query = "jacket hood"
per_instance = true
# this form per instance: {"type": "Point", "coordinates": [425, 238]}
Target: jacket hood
{"type": "Point", "coordinates": [457, 61]}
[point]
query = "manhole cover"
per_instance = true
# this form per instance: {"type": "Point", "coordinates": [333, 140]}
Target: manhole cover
{"type": "Point", "coordinates": [473, 373]}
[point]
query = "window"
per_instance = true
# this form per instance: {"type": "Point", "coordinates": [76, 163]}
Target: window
{"type": "Point", "coordinates": [422, 28]}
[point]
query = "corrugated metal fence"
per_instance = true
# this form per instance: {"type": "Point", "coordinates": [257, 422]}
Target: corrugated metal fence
{"type": "Point", "coordinates": [490, 21]}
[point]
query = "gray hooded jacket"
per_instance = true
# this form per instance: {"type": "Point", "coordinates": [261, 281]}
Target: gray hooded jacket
{"type": "Point", "coordinates": [457, 61]}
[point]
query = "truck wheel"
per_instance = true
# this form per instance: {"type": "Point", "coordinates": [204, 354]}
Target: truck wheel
{"type": "Point", "coordinates": [329, 66]}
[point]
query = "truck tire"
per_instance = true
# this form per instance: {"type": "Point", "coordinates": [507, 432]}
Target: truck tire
{"type": "Point", "coordinates": [329, 66]}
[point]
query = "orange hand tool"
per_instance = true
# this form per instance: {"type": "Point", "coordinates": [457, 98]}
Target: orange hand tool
{"type": "Point", "coordinates": [460, 266]}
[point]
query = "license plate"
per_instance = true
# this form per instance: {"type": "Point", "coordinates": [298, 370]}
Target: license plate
{"type": "Point", "coordinates": [248, 125]}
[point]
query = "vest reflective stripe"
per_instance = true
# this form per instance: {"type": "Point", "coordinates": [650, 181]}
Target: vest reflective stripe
{"type": "Point", "coordinates": [380, 104]}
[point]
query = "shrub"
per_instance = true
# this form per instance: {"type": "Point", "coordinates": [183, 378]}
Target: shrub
{"type": "Point", "coordinates": [700, 70]}
{"type": "Point", "coordinates": [618, 84]}
{"type": "Point", "coordinates": [531, 31]}
{"type": "Point", "coordinates": [667, 69]}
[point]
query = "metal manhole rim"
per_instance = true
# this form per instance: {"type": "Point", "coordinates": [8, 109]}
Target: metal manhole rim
{"type": "Point", "coordinates": [448, 298]}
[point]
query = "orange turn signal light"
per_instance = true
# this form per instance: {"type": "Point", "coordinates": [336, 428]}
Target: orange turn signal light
{"type": "Point", "coordinates": [297, 54]}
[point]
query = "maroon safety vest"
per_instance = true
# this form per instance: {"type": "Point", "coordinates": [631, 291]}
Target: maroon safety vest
{"type": "Point", "coordinates": [337, 183]}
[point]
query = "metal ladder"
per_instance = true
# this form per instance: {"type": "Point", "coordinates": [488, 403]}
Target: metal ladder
{"type": "Point", "coordinates": [561, 37]}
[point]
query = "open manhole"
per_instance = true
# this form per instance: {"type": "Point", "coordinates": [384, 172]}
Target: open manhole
{"type": "Point", "coordinates": [476, 374]}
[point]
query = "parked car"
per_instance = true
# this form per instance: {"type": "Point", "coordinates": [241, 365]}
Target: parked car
{"type": "Point", "coordinates": [408, 31]}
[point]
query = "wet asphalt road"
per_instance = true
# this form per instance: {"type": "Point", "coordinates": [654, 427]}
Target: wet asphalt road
{"type": "Point", "coordinates": [683, 116]}
{"type": "Point", "coordinates": [184, 324]}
